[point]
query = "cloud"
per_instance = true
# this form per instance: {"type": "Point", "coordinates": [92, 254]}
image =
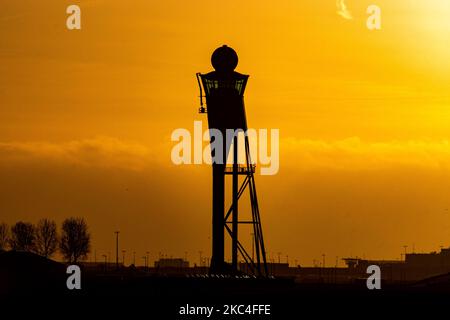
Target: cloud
{"type": "Point", "coordinates": [356, 154]}
{"type": "Point", "coordinates": [306, 154]}
{"type": "Point", "coordinates": [103, 152]}
{"type": "Point", "coordinates": [343, 10]}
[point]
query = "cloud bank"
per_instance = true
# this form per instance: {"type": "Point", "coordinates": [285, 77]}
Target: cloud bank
{"type": "Point", "coordinates": [356, 154]}
{"type": "Point", "coordinates": [104, 152]}
{"type": "Point", "coordinates": [306, 154]}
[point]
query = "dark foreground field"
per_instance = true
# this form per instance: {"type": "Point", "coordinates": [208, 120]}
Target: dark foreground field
{"type": "Point", "coordinates": [29, 279]}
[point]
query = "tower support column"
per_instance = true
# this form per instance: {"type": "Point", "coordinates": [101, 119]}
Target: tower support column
{"type": "Point", "coordinates": [218, 232]}
{"type": "Point", "coordinates": [235, 219]}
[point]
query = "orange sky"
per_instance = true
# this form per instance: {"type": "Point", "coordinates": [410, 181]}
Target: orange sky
{"type": "Point", "coordinates": [86, 118]}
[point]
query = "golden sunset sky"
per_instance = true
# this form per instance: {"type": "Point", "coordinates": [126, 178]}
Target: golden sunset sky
{"type": "Point", "coordinates": [364, 119]}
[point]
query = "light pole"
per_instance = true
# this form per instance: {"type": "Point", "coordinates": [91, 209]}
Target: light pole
{"type": "Point", "coordinates": [104, 255]}
{"type": "Point", "coordinates": [117, 249]}
{"type": "Point", "coordinates": [336, 270]}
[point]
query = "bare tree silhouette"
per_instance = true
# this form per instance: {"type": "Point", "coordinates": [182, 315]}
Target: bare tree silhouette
{"type": "Point", "coordinates": [22, 237]}
{"type": "Point", "coordinates": [75, 239]}
{"type": "Point", "coordinates": [46, 238]}
{"type": "Point", "coordinates": [4, 236]}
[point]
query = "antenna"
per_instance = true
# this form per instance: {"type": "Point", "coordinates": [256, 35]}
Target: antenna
{"type": "Point", "coordinates": [202, 109]}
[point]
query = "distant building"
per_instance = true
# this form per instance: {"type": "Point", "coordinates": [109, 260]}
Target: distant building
{"type": "Point", "coordinates": [416, 266]}
{"type": "Point", "coordinates": [272, 267]}
{"type": "Point", "coordinates": [422, 265]}
{"type": "Point", "coordinates": [99, 266]}
{"type": "Point", "coordinates": [433, 259]}
{"type": "Point", "coordinates": [171, 263]}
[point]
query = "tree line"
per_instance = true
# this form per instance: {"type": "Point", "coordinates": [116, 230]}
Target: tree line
{"type": "Point", "coordinates": [73, 241]}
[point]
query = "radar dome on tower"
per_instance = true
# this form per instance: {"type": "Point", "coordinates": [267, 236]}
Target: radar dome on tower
{"type": "Point", "coordinates": [224, 59]}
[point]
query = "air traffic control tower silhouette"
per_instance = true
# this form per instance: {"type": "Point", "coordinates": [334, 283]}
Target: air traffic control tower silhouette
{"type": "Point", "coordinates": [224, 93]}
